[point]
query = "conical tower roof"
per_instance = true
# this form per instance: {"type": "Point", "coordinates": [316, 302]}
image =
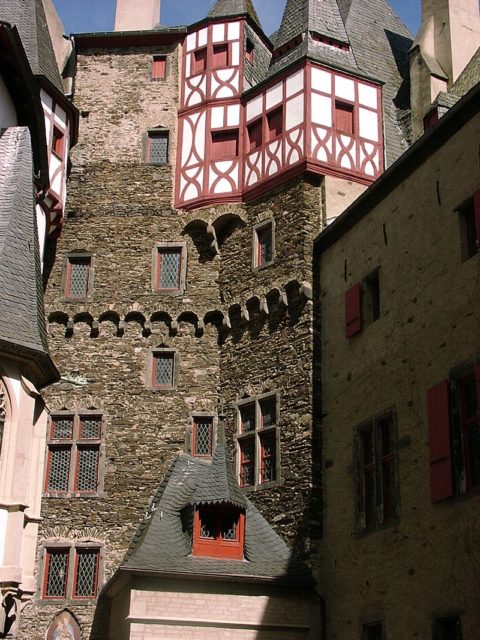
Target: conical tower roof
{"type": "Point", "coordinates": [219, 485]}
{"type": "Point", "coordinates": [226, 8]}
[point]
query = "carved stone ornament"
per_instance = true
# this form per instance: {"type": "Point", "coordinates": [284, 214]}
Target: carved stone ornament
{"type": "Point", "coordinates": [75, 378]}
{"type": "Point", "coordinates": [64, 627]}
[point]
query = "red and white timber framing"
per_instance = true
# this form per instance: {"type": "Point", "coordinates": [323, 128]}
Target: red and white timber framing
{"type": "Point", "coordinates": [233, 147]}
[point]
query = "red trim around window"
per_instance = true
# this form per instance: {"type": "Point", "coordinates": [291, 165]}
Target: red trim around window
{"type": "Point", "coordinates": [220, 56]}
{"type": "Point", "coordinates": [344, 118]}
{"type": "Point", "coordinates": [48, 556]}
{"type": "Point", "coordinates": [78, 553]}
{"type": "Point", "coordinates": [217, 546]}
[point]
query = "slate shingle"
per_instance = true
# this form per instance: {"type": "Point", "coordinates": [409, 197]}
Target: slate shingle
{"type": "Point", "coordinates": [225, 8]}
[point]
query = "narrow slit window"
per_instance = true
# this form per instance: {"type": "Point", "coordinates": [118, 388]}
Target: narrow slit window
{"type": "Point", "coordinates": [169, 265]}
{"type": "Point", "coordinates": [202, 436]}
{"type": "Point", "coordinates": [255, 135]}
{"type": "Point", "coordinates": [249, 50]}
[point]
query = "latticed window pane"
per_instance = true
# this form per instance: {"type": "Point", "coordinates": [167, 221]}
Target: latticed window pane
{"type": "Point", "coordinates": [158, 147]}
{"type": "Point", "coordinates": [62, 428]}
{"type": "Point", "coordinates": [79, 269]}
{"type": "Point", "coordinates": [87, 469]}
{"type": "Point", "coordinates": [247, 416]}
{"type": "Point", "coordinates": [91, 427]}
{"type": "Point", "coordinates": [247, 461]}
{"type": "Point", "coordinates": [163, 370]}
{"type": "Point", "coordinates": [57, 571]}
{"type": "Point", "coordinates": [268, 447]}
{"type": "Point", "coordinates": [207, 525]}
{"type": "Point", "coordinates": [203, 436]}
{"type": "Point", "coordinates": [229, 527]}
{"type": "Point", "coordinates": [268, 411]}
{"type": "Point", "coordinates": [169, 268]}
{"type": "Point", "coordinates": [58, 469]}
{"type": "Point", "coordinates": [87, 574]}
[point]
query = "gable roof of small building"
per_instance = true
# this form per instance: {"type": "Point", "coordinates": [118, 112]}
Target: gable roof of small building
{"type": "Point", "coordinates": [29, 18]}
{"type": "Point", "coordinates": [22, 321]}
{"type": "Point", "coordinates": [162, 543]}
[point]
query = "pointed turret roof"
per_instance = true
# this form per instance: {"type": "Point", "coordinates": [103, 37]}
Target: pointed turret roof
{"type": "Point", "coordinates": [219, 485]}
{"type": "Point", "coordinates": [225, 8]}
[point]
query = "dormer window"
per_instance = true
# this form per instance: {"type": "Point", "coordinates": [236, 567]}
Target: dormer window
{"type": "Point", "coordinates": [218, 532]}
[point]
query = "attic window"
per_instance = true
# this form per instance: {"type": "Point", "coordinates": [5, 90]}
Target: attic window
{"type": "Point", "coordinates": [331, 42]}
{"type": "Point", "coordinates": [218, 532]}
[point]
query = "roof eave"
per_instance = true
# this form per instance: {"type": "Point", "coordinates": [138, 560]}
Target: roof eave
{"type": "Point", "coordinates": [44, 371]}
{"type": "Point", "coordinates": [112, 39]}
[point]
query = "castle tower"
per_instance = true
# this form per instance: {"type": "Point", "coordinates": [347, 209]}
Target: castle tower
{"type": "Point", "coordinates": [137, 16]}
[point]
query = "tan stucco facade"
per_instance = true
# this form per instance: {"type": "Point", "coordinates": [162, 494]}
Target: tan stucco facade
{"type": "Point", "coordinates": [137, 16]}
{"type": "Point", "coordinates": [425, 563]}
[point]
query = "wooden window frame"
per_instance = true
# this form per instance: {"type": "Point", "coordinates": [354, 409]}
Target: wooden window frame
{"type": "Point", "coordinates": [258, 230]}
{"type": "Point", "coordinates": [191, 443]}
{"type": "Point", "coordinates": [159, 132]}
{"type": "Point", "coordinates": [73, 549]}
{"type": "Point", "coordinates": [163, 247]}
{"type": "Point", "coordinates": [153, 356]}
{"type": "Point", "coordinates": [74, 445]}
{"type": "Point", "coordinates": [372, 519]}
{"type": "Point", "coordinates": [67, 273]}
{"type": "Point", "coordinates": [255, 126]}
{"type": "Point", "coordinates": [256, 434]}
{"type": "Point", "coordinates": [218, 547]}
{"type": "Point", "coordinates": [156, 58]}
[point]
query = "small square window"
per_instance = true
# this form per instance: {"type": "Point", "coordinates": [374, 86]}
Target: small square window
{"type": "Point", "coordinates": [58, 140]}
{"type": "Point", "coordinates": [224, 144]}
{"type": "Point", "coordinates": [163, 370]}
{"type": "Point", "coordinates": [78, 278]}
{"type": "Point", "coordinates": [263, 245]}
{"type": "Point", "coordinates": [220, 56]}
{"type": "Point", "coordinates": [255, 135]}
{"type": "Point", "coordinates": [169, 268]}
{"type": "Point", "coordinates": [218, 532]}
{"type": "Point", "coordinates": [344, 118]}
{"type": "Point", "coordinates": [200, 60]}
{"type": "Point", "coordinates": [159, 67]}
{"type": "Point", "coordinates": [275, 123]}
{"type": "Point", "coordinates": [470, 227]}
{"type": "Point", "coordinates": [249, 50]}
{"type": "Point", "coordinates": [157, 147]}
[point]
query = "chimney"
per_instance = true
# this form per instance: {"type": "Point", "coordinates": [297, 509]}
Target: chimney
{"type": "Point", "coordinates": [137, 15]}
{"type": "Point", "coordinates": [448, 37]}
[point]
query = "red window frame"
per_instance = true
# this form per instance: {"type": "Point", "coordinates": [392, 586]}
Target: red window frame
{"type": "Point", "coordinates": [71, 261]}
{"type": "Point", "coordinates": [84, 551]}
{"type": "Point", "coordinates": [274, 124]}
{"type": "Point", "coordinates": [249, 50]}
{"type": "Point", "coordinates": [74, 444]}
{"type": "Point", "coordinates": [199, 60]}
{"type": "Point", "coordinates": [70, 585]}
{"type": "Point", "coordinates": [196, 421]}
{"type": "Point", "coordinates": [221, 56]}
{"type": "Point", "coordinates": [344, 117]}
{"type": "Point", "coordinates": [159, 67]}
{"type": "Point", "coordinates": [58, 142]}
{"type": "Point", "coordinates": [224, 144]}
{"type": "Point", "coordinates": [156, 357]}
{"type": "Point", "coordinates": [217, 546]}
{"type": "Point", "coordinates": [161, 252]}
{"type": "Point", "coordinates": [430, 119]}
{"type": "Point", "coordinates": [49, 553]}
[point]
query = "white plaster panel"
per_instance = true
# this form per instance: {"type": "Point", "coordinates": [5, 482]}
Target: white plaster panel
{"type": "Point", "coordinates": [368, 124]}
{"type": "Point", "coordinates": [275, 95]}
{"type": "Point", "coordinates": [321, 80]}
{"type": "Point", "coordinates": [233, 115]}
{"type": "Point", "coordinates": [187, 140]}
{"type": "Point", "coordinates": [3, 533]}
{"type": "Point", "coordinates": [41, 230]}
{"type": "Point", "coordinates": [234, 31]}
{"type": "Point", "coordinates": [218, 33]}
{"type": "Point", "coordinates": [200, 135]}
{"type": "Point", "coordinates": [217, 118]}
{"type": "Point", "coordinates": [60, 116]}
{"type": "Point", "coordinates": [295, 83]}
{"type": "Point", "coordinates": [46, 101]}
{"type": "Point", "coordinates": [345, 162]}
{"type": "Point", "coordinates": [254, 108]}
{"type": "Point", "coordinates": [188, 65]}
{"type": "Point", "coordinates": [223, 186]}
{"type": "Point", "coordinates": [48, 130]}
{"type": "Point", "coordinates": [252, 178]}
{"type": "Point", "coordinates": [57, 182]}
{"type": "Point", "coordinates": [191, 192]}
{"type": "Point", "coordinates": [55, 164]}
{"type": "Point", "coordinates": [8, 114]}
{"type": "Point", "coordinates": [224, 92]}
{"type": "Point", "coordinates": [321, 110]}
{"type": "Point", "coordinates": [226, 75]}
{"type": "Point", "coordinates": [344, 88]}
{"type": "Point", "coordinates": [191, 41]}
{"type": "Point", "coordinates": [294, 112]}
{"type": "Point", "coordinates": [235, 54]}
{"type": "Point", "coordinates": [202, 37]}
{"type": "Point", "coordinates": [367, 95]}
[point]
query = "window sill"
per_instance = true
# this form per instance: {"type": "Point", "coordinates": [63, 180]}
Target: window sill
{"type": "Point", "coordinates": [45, 602]}
{"type": "Point", "coordinates": [263, 266]}
{"type": "Point", "coordinates": [74, 494]}
{"type": "Point", "coordinates": [150, 163]}
{"type": "Point", "coordinates": [364, 533]}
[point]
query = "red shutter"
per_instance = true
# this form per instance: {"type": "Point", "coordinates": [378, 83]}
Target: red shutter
{"type": "Point", "coordinates": [476, 206]}
{"type": "Point", "coordinates": [353, 311]}
{"type": "Point", "coordinates": [224, 144]}
{"type": "Point", "coordinates": [200, 60]}
{"type": "Point", "coordinates": [344, 118]}
{"type": "Point", "coordinates": [158, 68]}
{"type": "Point", "coordinates": [255, 137]}
{"type": "Point", "coordinates": [441, 480]}
{"type": "Point", "coordinates": [220, 56]}
{"type": "Point", "coordinates": [275, 123]}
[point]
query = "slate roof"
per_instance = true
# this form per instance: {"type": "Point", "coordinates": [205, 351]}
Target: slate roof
{"type": "Point", "coordinates": [379, 45]}
{"type": "Point", "coordinates": [29, 18]}
{"type": "Point", "coordinates": [225, 8]}
{"type": "Point", "coordinates": [162, 543]}
{"type": "Point", "coordinates": [22, 320]}
{"type": "Point", "coordinates": [469, 77]}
